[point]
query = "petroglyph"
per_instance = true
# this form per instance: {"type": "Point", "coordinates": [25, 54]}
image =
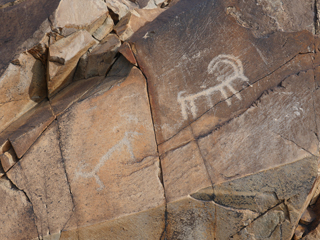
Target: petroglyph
{"type": "Point", "coordinates": [226, 69]}
{"type": "Point", "coordinates": [124, 142]}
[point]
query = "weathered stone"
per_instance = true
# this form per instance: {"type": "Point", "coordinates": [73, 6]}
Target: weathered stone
{"type": "Point", "coordinates": [72, 93]}
{"type": "Point", "coordinates": [72, 15]}
{"type": "Point", "coordinates": [8, 159]}
{"type": "Point", "coordinates": [21, 87]}
{"type": "Point", "coordinates": [121, 7]}
{"type": "Point", "coordinates": [284, 16]}
{"type": "Point", "coordinates": [148, 224]}
{"type": "Point", "coordinates": [63, 58]}
{"type": "Point", "coordinates": [308, 216]}
{"type": "Point", "coordinates": [104, 29]}
{"type": "Point", "coordinates": [183, 172]}
{"type": "Point", "coordinates": [298, 233]}
{"type": "Point", "coordinates": [190, 219]}
{"type": "Point", "coordinates": [264, 193]}
{"type": "Point", "coordinates": [17, 219]}
{"type": "Point", "coordinates": [99, 60]}
{"type": "Point", "coordinates": [126, 51]}
{"type": "Point", "coordinates": [149, 4]}
{"type": "Point", "coordinates": [270, 133]}
{"type": "Point", "coordinates": [184, 91]}
{"type": "Point", "coordinates": [109, 148]}
{"type": "Point", "coordinates": [25, 131]}
{"type": "Point", "coordinates": [41, 175]}
{"type": "Point", "coordinates": [123, 28]}
{"type": "Point", "coordinates": [142, 16]}
{"type": "Point", "coordinates": [17, 29]}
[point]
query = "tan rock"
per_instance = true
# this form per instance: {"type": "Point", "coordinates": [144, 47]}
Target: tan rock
{"type": "Point", "coordinates": [72, 15]}
{"type": "Point", "coordinates": [123, 28]}
{"type": "Point", "coordinates": [8, 159]}
{"type": "Point", "coordinates": [17, 219]}
{"type": "Point", "coordinates": [63, 58]}
{"type": "Point", "coordinates": [41, 175]}
{"type": "Point", "coordinates": [72, 93]}
{"type": "Point", "coordinates": [21, 87]}
{"type": "Point", "coordinates": [25, 131]}
{"type": "Point", "coordinates": [99, 60]}
{"type": "Point", "coordinates": [298, 233]}
{"type": "Point", "coordinates": [108, 143]}
{"type": "Point", "coordinates": [184, 172]}
{"type": "Point", "coordinates": [104, 29]}
{"type": "Point", "coordinates": [308, 217]}
{"type": "Point", "coordinates": [148, 224]}
{"type": "Point", "coordinates": [121, 7]}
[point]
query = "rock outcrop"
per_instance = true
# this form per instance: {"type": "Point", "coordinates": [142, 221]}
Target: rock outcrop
{"type": "Point", "coordinates": [153, 119]}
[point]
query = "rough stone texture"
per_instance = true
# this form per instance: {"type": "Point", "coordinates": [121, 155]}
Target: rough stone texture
{"type": "Point", "coordinates": [17, 217]}
{"type": "Point", "coordinates": [144, 225]}
{"type": "Point", "coordinates": [72, 15]}
{"type": "Point", "coordinates": [41, 175]}
{"type": "Point", "coordinates": [63, 58]}
{"type": "Point", "coordinates": [111, 158]}
{"type": "Point", "coordinates": [104, 29]}
{"type": "Point", "coordinates": [99, 60]}
{"type": "Point", "coordinates": [20, 22]}
{"type": "Point", "coordinates": [21, 87]}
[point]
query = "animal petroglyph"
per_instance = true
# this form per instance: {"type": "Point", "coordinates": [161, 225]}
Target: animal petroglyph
{"type": "Point", "coordinates": [226, 69]}
{"type": "Point", "coordinates": [124, 142]}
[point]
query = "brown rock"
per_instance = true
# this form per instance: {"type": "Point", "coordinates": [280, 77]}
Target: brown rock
{"type": "Point", "coordinates": [121, 7]}
{"type": "Point", "coordinates": [8, 159]}
{"type": "Point", "coordinates": [273, 137]}
{"type": "Point", "coordinates": [298, 233]}
{"type": "Point", "coordinates": [123, 28]}
{"type": "Point", "coordinates": [109, 147]}
{"type": "Point", "coordinates": [63, 58]}
{"type": "Point", "coordinates": [148, 224]}
{"type": "Point", "coordinates": [284, 16]}
{"type": "Point", "coordinates": [14, 17]}
{"type": "Point", "coordinates": [72, 93]}
{"type": "Point", "coordinates": [184, 91]}
{"type": "Point", "coordinates": [126, 51]}
{"type": "Point", "coordinates": [72, 15]}
{"type": "Point", "coordinates": [21, 87]}
{"type": "Point", "coordinates": [25, 131]}
{"type": "Point", "coordinates": [17, 219]}
{"type": "Point", "coordinates": [263, 193]}
{"type": "Point", "coordinates": [190, 219]}
{"type": "Point", "coordinates": [104, 29]}
{"type": "Point", "coordinates": [99, 60]}
{"type": "Point", "coordinates": [308, 217]}
{"type": "Point", "coordinates": [184, 172]}
{"type": "Point", "coordinates": [41, 175]}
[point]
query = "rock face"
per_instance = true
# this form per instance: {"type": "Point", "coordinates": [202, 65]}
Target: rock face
{"type": "Point", "coordinates": [159, 120]}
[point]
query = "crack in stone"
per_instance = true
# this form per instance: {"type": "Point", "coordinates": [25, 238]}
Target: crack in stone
{"type": "Point", "coordinates": [67, 178]}
{"type": "Point", "coordinates": [29, 200]}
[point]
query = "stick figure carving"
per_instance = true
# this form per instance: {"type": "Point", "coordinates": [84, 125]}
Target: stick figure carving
{"type": "Point", "coordinates": [124, 142]}
{"type": "Point", "coordinates": [226, 69]}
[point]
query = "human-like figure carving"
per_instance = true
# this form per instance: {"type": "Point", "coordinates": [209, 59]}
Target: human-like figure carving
{"type": "Point", "coordinates": [226, 69]}
{"type": "Point", "coordinates": [124, 142]}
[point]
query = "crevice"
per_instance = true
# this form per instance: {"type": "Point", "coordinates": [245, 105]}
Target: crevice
{"type": "Point", "coordinates": [160, 164]}
{"type": "Point", "coordinates": [15, 187]}
{"type": "Point", "coordinates": [316, 17]}
{"type": "Point", "coordinates": [66, 174]}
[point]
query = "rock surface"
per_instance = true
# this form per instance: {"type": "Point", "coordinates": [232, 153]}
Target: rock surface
{"type": "Point", "coordinates": [159, 119]}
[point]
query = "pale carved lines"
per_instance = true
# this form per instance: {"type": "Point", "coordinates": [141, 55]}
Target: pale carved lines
{"type": "Point", "coordinates": [226, 69]}
{"type": "Point", "coordinates": [124, 142]}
